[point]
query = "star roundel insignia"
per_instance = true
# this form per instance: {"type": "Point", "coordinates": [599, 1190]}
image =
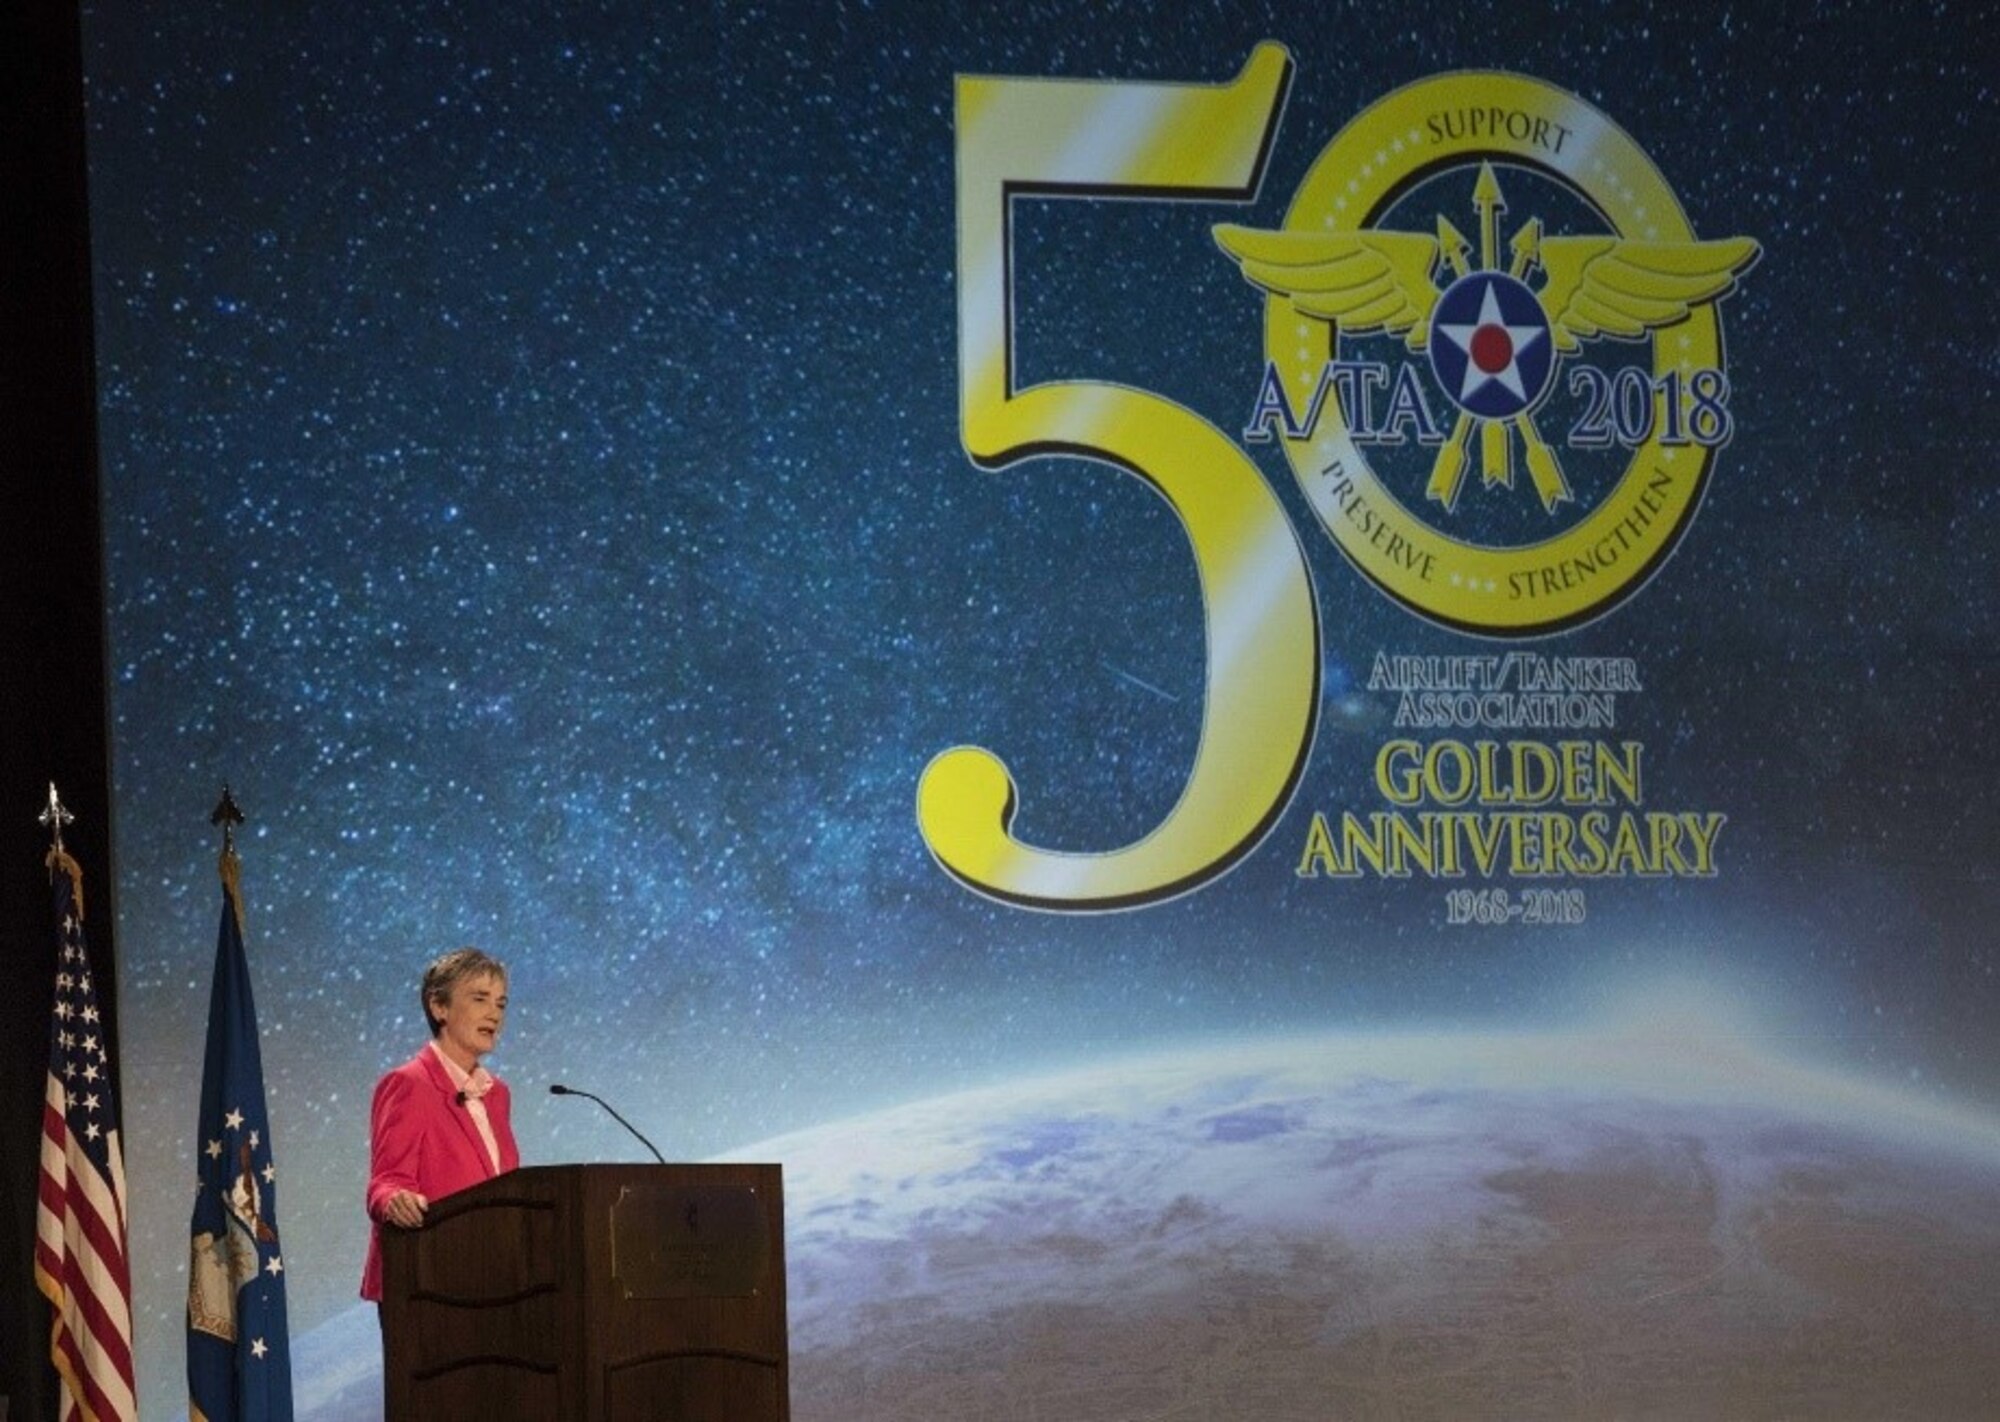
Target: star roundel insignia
{"type": "Point", "coordinates": [1491, 347]}
{"type": "Point", "coordinates": [1493, 354]}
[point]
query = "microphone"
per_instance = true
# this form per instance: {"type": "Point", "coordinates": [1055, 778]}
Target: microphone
{"type": "Point", "coordinates": [556, 1088]}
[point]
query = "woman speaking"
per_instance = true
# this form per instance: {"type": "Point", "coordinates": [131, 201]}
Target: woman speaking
{"type": "Point", "coordinates": [440, 1120]}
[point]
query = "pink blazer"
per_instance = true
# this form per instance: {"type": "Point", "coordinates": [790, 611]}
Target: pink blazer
{"type": "Point", "coordinates": [420, 1138]}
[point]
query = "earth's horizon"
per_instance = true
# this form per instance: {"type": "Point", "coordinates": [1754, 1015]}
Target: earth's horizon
{"type": "Point", "coordinates": [1659, 1222]}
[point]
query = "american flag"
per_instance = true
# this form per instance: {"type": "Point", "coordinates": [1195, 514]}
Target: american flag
{"type": "Point", "coordinates": [80, 1255]}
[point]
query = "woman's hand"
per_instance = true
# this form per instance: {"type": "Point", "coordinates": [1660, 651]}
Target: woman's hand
{"type": "Point", "coordinates": [405, 1208]}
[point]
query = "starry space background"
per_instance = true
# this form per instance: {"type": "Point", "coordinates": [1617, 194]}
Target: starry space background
{"type": "Point", "coordinates": [533, 485]}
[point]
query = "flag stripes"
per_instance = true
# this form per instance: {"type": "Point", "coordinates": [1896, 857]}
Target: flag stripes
{"type": "Point", "coordinates": [81, 1264]}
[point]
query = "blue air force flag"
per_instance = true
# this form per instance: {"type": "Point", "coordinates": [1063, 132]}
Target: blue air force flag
{"type": "Point", "coordinates": [239, 1357]}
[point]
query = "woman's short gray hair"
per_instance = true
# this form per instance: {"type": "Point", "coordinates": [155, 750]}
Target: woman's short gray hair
{"type": "Point", "coordinates": [449, 971]}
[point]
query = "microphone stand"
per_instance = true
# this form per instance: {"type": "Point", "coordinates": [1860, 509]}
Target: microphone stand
{"type": "Point", "coordinates": [558, 1089]}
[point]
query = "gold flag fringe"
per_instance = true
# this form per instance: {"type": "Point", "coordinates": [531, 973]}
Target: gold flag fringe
{"type": "Point", "coordinates": [58, 861]}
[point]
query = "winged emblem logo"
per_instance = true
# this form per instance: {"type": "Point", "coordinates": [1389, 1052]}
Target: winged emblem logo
{"type": "Point", "coordinates": [1494, 333]}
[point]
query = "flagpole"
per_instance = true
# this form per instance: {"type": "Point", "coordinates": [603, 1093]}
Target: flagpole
{"type": "Point", "coordinates": [230, 866]}
{"type": "Point", "coordinates": [238, 1336]}
{"type": "Point", "coordinates": [55, 815]}
{"type": "Point", "coordinates": [228, 816]}
{"type": "Point", "coordinates": [82, 1265]}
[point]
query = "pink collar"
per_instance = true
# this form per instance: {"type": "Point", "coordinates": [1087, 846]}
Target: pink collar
{"type": "Point", "coordinates": [475, 1083]}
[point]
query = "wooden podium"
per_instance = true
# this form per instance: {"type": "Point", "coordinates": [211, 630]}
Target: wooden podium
{"type": "Point", "coordinates": [592, 1293]}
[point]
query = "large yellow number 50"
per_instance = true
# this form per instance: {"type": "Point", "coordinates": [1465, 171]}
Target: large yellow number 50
{"type": "Point", "coordinates": [1023, 137]}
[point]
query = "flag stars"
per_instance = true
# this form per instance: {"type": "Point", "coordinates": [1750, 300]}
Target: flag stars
{"type": "Point", "coordinates": [258, 1347]}
{"type": "Point", "coordinates": [234, 1120]}
{"type": "Point", "coordinates": [270, 1172]}
{"type": "Point", "coordinates": [275, 1267]}
{"type": "Point", "coordinates": [90, 1102]}
{"type": "Point", "coordinates": [213, 1150]}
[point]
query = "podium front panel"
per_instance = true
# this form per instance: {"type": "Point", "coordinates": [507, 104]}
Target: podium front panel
{"type": "Point", "coordinates": [698, 1387]}
{"type": "Point", "coordinates": [604, 1293]}
{"type": "Point", "coordinates": [692, 1317]}
{"type": "Point", "coordinates": [689, 1242]}
{"type": "Point", "coordinates": [476, 1318]}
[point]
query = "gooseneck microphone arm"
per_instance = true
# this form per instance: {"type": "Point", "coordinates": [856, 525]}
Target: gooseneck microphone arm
{"type": "Point", "coordinates": [558, 1089]}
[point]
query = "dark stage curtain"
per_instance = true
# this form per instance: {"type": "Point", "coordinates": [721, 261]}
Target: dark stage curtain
{"type": "Point", "coordinates": [52, 680]}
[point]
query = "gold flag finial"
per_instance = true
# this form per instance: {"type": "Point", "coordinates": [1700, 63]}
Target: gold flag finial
{"type": "Point", "coordinates": [55, 815]}
{"type": "Point", "coordinates": [227, 815]}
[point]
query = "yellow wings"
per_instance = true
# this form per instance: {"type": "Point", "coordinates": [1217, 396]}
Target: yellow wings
{"type": "Point", "coordinates": [1364, 281]}
{"type": "Point", "coordinates": [1608, 286]}
{"type": "Point", "coordinates": [1380, 280]}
